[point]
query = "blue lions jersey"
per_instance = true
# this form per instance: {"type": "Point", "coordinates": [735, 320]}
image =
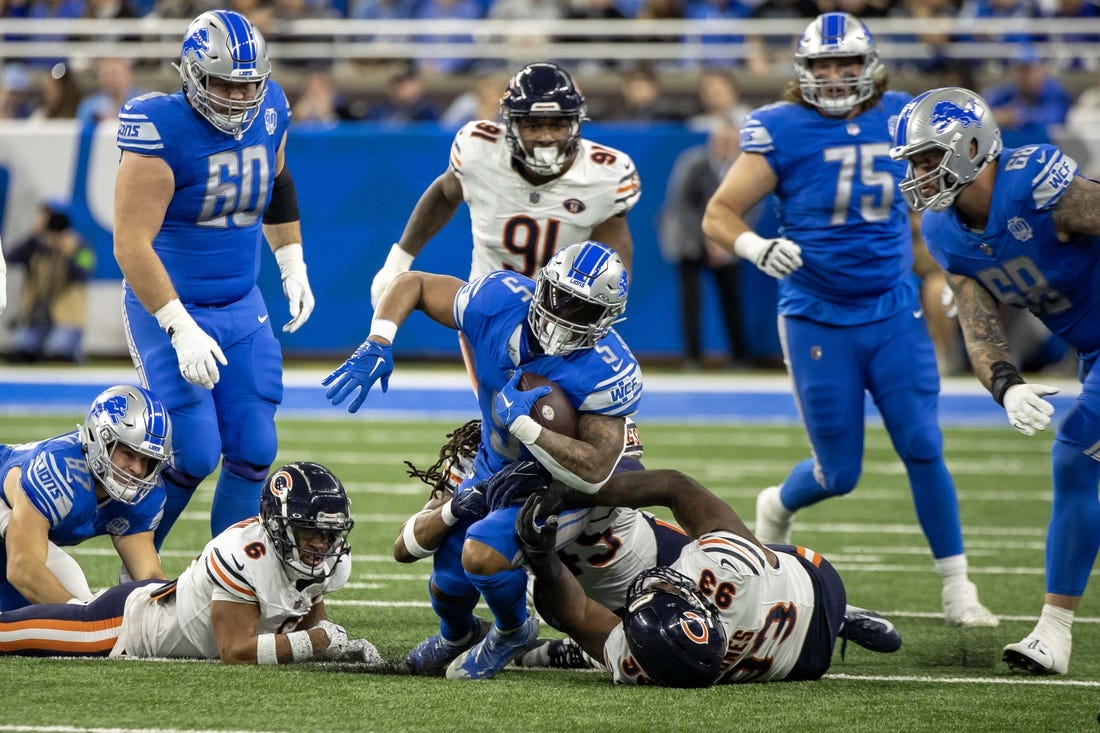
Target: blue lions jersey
{"type": "Point", "coordinates": [1019, 258]}
{"type": "Point", "coordinates": [211, 236]}
{"type": "Point", "coordinates": [839, 201]}
{"type": "Point", "coordinates": [491, 312]}
{"type": "Point", "coordinates": [57, 481]}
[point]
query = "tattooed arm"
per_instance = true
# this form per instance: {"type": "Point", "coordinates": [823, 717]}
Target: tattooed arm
{"type": "Point", "coordinates": [586, 463]}
{"type": "Point", "coordinates": [1078, 210]}
{"type": "Point", "coordinates": [982, 326]}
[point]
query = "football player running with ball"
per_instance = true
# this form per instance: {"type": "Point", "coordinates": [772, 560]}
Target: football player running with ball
{"type": "Point", "coordinates": [254, 596]}
{"type": "Point", "coordinates": [850, 320]}
{"type": "Point", "coordinates": [1018, 227]}
{"type": "Point", "coordinates": [560, 326]}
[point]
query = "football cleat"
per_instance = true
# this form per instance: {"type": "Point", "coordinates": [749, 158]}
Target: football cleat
{"type": "Point", "coordinates": [431, 656]}
{"type": "Point", "coordinates": [773, 520]}
{"type": "Point", "coordinates": [555, 654]}
{"type": "Point", "coordinates": [485, 659]}
{"type": "Point", "coordinates": [1037, 656]}
{"type": "Point", "coordinates": [962, 608]}
{"type": "Point", "coordinates": [869, 630]}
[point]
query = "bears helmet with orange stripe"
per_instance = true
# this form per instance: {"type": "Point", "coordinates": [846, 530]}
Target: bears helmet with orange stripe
{"type": "Point", "coordinates": [673, 632]}
{"type": "Point", "coordinates": [307, 514]}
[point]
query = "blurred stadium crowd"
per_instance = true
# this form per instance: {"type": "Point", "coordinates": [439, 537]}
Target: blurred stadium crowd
{"type": "Point", "coordinates": [639, 60]}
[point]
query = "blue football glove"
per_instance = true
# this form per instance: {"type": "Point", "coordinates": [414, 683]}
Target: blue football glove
{"type": "Point", "coordinates": [370, 362]}
{"type": "Point", "coordinates": [512, 402]}
{"type": "Point", "coordinates": [514, 483]}
{"type": "Point", "coordinates": [469, 503]}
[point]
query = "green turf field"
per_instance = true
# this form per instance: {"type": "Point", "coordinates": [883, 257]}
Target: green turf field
{"type": "Point", "coordinates": [942, 679]}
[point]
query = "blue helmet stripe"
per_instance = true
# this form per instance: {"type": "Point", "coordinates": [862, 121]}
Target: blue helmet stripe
{"type": "Point", "coordinates": [157, 419]}
{"type": "Point", "coordinates": [590, 262]}
{"type": "Point", "coordinates": [832, 28]}
{"type": "Point", "coordinates": [242, 42]}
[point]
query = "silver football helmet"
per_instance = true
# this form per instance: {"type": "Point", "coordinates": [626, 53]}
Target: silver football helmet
{"type": "Point", "coordinates": [133, 417]}
{"type": "Point", "coordinates": [579, 294]}
{"type": "Point", "coordinates": [837, 35]}
{"type": "Point", "coordinates": [223, 44]}
{"type": "Point", "coordinates": [955, 121]}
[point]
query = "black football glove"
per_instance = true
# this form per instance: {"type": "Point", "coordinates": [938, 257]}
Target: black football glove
{"type": "Point", "coordinates": [469, 503]}
{"type": "Point", "coordinates": [539, 540]}
{"type": "Point", "coordinates": [514, 483]}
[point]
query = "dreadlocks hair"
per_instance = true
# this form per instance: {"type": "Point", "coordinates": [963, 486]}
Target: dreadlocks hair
{"type": "Point", "coordinates": [462, 441]}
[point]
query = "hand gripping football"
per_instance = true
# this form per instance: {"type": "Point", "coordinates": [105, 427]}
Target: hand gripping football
{"type": "Point", "coordinates": [553, 411]}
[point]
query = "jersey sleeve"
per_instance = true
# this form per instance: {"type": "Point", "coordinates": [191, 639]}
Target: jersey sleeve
{"type": "Point", "coordinates": [226, 567]}
{"type": "Point", "coordinates": [1038, 175]}
{"type": "Point", "coordinates": [759, 131]}
{"type": "Point", "coordinates": [629, 185]}
{"type": "Point", "coordinates": [142, 125]}
{"type": "Point", "coordinates": [47, 483]}
{"type": "Point", "coordinates": [479, 302]}
{"type": "Point", "coordinates": [475, 145]}
{"type": "Point", "coordinates": [619, 389]}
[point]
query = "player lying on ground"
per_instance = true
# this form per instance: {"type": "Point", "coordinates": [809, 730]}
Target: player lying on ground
{"type": "Point", "coordinates": [254, 596]}
{"type": "Point", "coordinates": [728, 610]}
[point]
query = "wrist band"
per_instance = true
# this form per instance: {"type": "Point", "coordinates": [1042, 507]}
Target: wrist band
{"type": "Point", "coordinates": [1004, 376]}
{"type": "Point", "coordinates": [384, 328]}
{"type": "Point", "coordinates": [408, 536]}
{"type": "Point", "coordinates": [447, 515]}
{"type": "Point", "coordinates": [301, 646]}
{"type": "Point", "coordinates": [265, 649]}
{"type": "Point", "coordinates": [526, 429]}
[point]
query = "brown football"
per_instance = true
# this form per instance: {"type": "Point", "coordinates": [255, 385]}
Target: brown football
{"type": "Point", "coordinates": [553, 411]}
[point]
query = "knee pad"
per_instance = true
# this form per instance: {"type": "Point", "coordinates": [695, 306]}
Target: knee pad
{"type": "Point", "coordinates": [921, 442]}
{"type": "Point", "coordinates": [838, 482]}
{"type": "Point", "coordinates": [185, 481]}
{"type": "Point", "coordinates": [246, 471]}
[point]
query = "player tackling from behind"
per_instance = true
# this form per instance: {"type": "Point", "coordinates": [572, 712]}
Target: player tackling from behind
{"type": "Point", "coordinates": [254, 596]}
{"type": "Point", "coordinates": [558, 325]}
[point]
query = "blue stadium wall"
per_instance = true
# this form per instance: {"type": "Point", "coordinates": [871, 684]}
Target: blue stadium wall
{"type": "Point", "coordinates": [357, 183]}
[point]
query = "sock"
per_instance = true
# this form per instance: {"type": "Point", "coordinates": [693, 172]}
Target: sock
{"type": "Point", "coordinates": [801, 489]}
{"type": "Point", "coordinates": [456, 618]}
{"type": "Point", "coordinates": [236, 498]}
{"type": "Point", "coordinates": [175, 501]}
{"type": "Point", "coordinates": [952, 569]}
{"type": "Point", "coordinates": [1055, 621]}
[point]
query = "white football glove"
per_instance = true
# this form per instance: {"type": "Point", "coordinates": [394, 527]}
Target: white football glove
{"type": "Point", "coordinates": [337, 637]}
{"type": "Point", "coordinates": [296, 288]}
{"type": "Point", "coordinates": [1027, 411]}
{"type": "Point", "coordinates": [947, 300]}
{"type": "Point", "coordinates": [776, 257]}
{"type": "Point", "coordinates": [342, 649]}
{"type": "Point", "coordinates": [197, 353]}
{"type": "Point", "coordinates": [397, 262]}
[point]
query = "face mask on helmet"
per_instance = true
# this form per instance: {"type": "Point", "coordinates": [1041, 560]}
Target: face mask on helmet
{"type": "Point", "coordinates": [307, 514]}
{"type": "Point", "coordinates": [222, 47]}
{"type": "Point", "coordinates": [673, 632]}
{"type": "Point", "coordinates": [127, 439]}
{"type": "Point", "coordinates": [956, 126]}
{"type": "Point", "coordinates": [837, 36]}
{"type": "Point", "coordinates": [543, 91]}
{"type": "Point", "coordinates": [579, 295]}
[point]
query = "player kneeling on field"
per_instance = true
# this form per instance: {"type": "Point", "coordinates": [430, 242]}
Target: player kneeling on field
{"type": "Point", "coordinates": [254, 596]}
{"type": "Point", "coordinates": [728, 610]}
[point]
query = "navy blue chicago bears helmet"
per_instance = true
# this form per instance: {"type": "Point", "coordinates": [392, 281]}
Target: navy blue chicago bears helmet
{"type": "Point", "coordinates": [302, 499]}
{"type": "Point", "coordinates": [674, 633]}
{"type": "Point", "coordinates": [542, 89]}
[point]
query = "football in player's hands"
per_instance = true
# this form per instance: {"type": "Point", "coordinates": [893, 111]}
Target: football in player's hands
{"type": "Point", "coordinates": [553, 411]}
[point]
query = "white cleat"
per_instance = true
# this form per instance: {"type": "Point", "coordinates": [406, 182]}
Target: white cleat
{"type": "Point", "coordinates": [1037, 656]}
{"type": "Point", "coordinates": [961, 607]}
{"type": "Point", "coordinates": [773, 520]}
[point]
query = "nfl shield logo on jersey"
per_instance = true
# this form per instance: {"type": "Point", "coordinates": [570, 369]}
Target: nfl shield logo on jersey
{"type": "Point", "coordinates": [1020, 229]}
{"type": "Point", "coordinates": [534, 197]}
{"type": "Point", "coordinates": [271, 118]}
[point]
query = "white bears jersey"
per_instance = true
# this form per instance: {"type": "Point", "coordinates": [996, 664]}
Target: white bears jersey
{"type": "Point", "coordinates": [614, 546]}
{"type": "Point", "coordinates": [240, 565]}
{"type": "Point", "coordinates": [519, 226]}
{"type": "Point", "coordinates": [765, 611]}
